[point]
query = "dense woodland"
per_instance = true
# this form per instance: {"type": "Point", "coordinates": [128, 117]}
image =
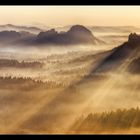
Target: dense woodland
{"type": "Point", "coordinates": [121, 119]}
{"type": "Point", "coordinates": [26, 83]}
{"type": "Point", "coordinates": [17, 64]}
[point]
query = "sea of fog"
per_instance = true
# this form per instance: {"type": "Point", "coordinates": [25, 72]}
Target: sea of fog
{"type": "Point", "coordinates": [57, 58]}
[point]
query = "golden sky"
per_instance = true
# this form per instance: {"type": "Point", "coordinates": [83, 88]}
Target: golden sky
{"type": "Point", "coordinates": [68, 15]}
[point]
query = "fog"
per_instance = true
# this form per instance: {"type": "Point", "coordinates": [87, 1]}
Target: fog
{"type": "Point", "coordinates": [48, 99]}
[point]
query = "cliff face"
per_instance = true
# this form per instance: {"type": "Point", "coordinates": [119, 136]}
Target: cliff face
{"type": "Point", "coordinates": [122, 54]}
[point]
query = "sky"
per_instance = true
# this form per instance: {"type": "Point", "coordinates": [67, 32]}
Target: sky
{"type": "Point", "coordinates": [69, 15]}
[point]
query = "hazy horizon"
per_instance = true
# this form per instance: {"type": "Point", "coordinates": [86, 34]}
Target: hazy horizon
{"type": "Point", "coordinates": [53, 16]}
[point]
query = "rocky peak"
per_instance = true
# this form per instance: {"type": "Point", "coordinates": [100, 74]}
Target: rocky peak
{"type": "Point", "coordinates": [134, 38]}
{"type": "Point", "coordinates": [50, 32]}
{"type": "Point", "coordinates": [79, 29]}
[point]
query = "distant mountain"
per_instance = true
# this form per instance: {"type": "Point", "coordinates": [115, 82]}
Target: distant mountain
{"type": "Point", "coordinates": [115, 29]}
{"type": "Point", "coordinates": [105, 29]}
{"type": "Point", "coordinates": [77, 34]}
{"type": "Point", "coordinates": [8, 37]}
{"type": "Point", "coordinates": [10, 27]}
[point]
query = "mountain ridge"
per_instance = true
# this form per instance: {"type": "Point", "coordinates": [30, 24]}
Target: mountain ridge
{"type": "Point", "coordinates": [119, 55]}
{"type": "Point", "coordinates": [77, 35]}
{"type": "Point", "coordinates": [19, 28]}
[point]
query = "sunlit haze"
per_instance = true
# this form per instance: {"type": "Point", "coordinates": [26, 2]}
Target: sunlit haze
{"type": "Point", "coordinates": [69, 69]}
{"type": "Point", "coordinates": [68, 15]}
